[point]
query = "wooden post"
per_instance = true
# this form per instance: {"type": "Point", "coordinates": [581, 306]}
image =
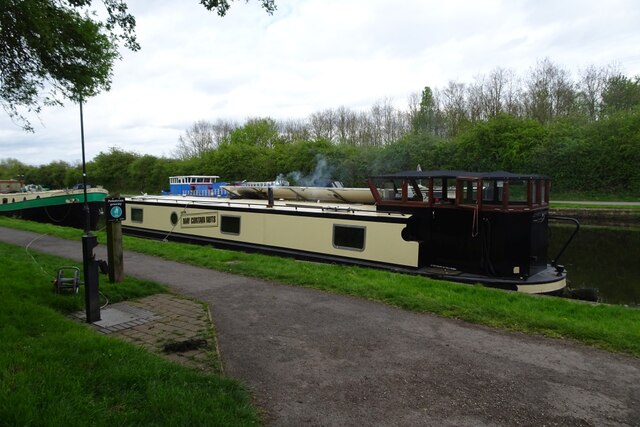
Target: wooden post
{"type": "Point", "coordinates": [115, 252]}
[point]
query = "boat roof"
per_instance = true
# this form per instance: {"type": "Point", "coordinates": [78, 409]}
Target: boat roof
{"type": "Point", "coordinates": [195, 176]}
{"type": "Point", "coordinates": [502, 175]}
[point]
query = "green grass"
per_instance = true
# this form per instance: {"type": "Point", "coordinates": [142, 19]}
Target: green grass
{"type": "Point", "coordinates": [609, 327]}
{"type": "Point", "coordinates": [56, 371]}
{"type": "Point", "coordinates": [600, 197]}
{"type": "Point", "coordinates": [587, 205]}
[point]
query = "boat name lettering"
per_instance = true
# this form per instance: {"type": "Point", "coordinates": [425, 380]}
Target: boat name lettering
{"type": "Point", "coordinates": [200, 220]}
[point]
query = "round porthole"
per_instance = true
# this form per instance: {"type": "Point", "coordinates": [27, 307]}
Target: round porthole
{"type": "Point", "coordinates": [174, 218]}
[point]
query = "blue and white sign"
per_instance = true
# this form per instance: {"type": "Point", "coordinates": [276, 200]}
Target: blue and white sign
{"type": "Point", "coordinates": [115, 209]}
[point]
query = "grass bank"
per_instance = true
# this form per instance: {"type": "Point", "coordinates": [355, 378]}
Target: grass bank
{"type": "Point", "coordinates": [55, 371]}
{"type": "Point", "coordinates": [588, 205]}
{"type": "Point", "coordinates": [595, 196]}
{"type": "Point", "coordinates": [614, 328]}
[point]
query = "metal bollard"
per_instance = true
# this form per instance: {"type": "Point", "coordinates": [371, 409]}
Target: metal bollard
{"type": "Point", "coordinates": [91, 282]}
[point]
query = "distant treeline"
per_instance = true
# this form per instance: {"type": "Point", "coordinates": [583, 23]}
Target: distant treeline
{"type": "Point", "coordinates": [584, 134]}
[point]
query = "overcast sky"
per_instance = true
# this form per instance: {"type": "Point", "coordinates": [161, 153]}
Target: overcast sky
{"type": "Point", "coordinates": [311, 55]}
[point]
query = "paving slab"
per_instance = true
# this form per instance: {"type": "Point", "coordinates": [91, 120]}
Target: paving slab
{"type": "Point", "coordinates": [119, 316]}
{"type": "Point", "coordinates": [315, 358]}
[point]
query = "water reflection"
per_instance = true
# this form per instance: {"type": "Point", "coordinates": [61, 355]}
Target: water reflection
{"type": "Point", "coordinates": [603, 258]}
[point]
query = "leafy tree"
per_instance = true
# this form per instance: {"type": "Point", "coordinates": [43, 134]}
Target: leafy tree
{"type": "Point", "coordinates": [562, 154]}
{"type": "Point", "coordinates": [222, 6]}
{"type": "Point", "coordinates": [52, 50]}
{"type": "Point", "coordinates": [590, 89]}
{"type": "Point", "coordinates": [55, 49]}
{"type": "Point", "coordinates": [300, 157]}
{"type": "Point", "coordinates": [503, 142]}
{"type": "Point", "coordinates": [260, 132]}
{"type": "Point", "coordinates": [454, 108]}
{"type": "Point", "coordinates": [196, 141]}
{"type": "Point", "coordinates": [111, 170]}
{"type": "Point", "coordinates": [52, 175]}
{"type": "Point", "coordinates": [141, 175]}
{"type": "Point", "coordinates": [614, 152]}
{"type": "Point", "coordinates": [549, 93]}
{"type": "Point", "coordinates": [346, 126]}
{"type": "Point", "coordinates": [12, 168]}
{"type": "Point", "coordinates": [73, 175]}
{"type": "Point", "coordinates": [238, 162]}
{"type": "Point", "coordinates": [294, 130]}
{"type": "Point", "coordinates": [621, 93]}
{"type": "Point", "coordinates": [424, 120]}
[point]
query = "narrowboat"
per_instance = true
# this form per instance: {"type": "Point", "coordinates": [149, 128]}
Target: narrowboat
{"type": "Point", "coordinates": [60, 207]}
{"type": "Point", "coordinates": [469, 227]}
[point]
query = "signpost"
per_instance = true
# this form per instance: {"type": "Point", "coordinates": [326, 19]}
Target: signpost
{"type": "Point", "coordinates": [116, 211]}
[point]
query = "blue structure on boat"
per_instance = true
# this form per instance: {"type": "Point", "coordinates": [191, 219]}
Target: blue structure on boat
{"type": "Point", "coordinates": [196, 185]}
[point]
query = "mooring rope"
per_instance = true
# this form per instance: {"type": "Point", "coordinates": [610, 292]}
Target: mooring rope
{"type": "Point", "coordinates": [46, 210]}
{"type": "Point", "coordinates": [184, 211]}
{"type": "Point", "coordinates": [32, 257]}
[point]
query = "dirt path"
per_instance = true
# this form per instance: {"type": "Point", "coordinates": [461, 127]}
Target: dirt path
{"type": "Point", "coordinates": [314, 358]}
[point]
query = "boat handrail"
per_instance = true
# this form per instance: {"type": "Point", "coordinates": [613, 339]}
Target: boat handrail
{"type": "Point", "coordinates": [554, 262]}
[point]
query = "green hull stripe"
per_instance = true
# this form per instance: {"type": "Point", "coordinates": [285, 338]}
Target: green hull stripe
{"type": "Point", "coordinates": [63, 199]}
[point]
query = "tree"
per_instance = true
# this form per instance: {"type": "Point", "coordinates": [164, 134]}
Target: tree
{"type": "Point", "coordinates": [621, 93]}
{"type": "Point", "coordinates": [294, 130]}
{"type": "Point", "coordinates": [222, 6]}
{"type": "Point", "coordinates": [12, 169]}
{"type": "Point", "coordinates": [203, 136]}
{"type": "Point", "coordinates": [454, 106]}
{"type": "Point", "coordinates": [590, 87]}
{"type": "Point", "coordinates": [56, 49]}
{"type": "Point", "coordinates": [52, 50]}
{"type": "Point", "coordinates": [53, 175]}
{"type": "Point", "coordinates": [346, 125]}
{"type": "Point", "coordinates": [259, 132]}
{"type": "Point", "coordinates": [110, 170]}
{"type": "Point", "coordinates": [549, 93]}
{"type": "Point", "coordinates": [493, 91]}
{"type": "Point", "coordinates": [423, 121]}
{"type": "Point", "coordinates": [323, 124]}
{"type": "Point", "coordinates": [503, 142]}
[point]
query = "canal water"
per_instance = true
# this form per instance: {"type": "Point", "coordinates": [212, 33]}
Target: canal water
{"type": "Point", "coordinates": [604, 258]}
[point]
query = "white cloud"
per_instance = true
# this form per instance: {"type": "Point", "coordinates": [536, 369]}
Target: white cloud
{"type": "Point", "coordinates": [313, 55]}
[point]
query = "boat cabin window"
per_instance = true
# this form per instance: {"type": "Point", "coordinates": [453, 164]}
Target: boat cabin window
{"type": "Point", "coordinates": [492, 192]}
{"type": "Point", "coordinates": [395, 189]}
{"type": "Point", "coordinates": [348, 237]}
{"type": "Point", "coordinates": [468, 190]}
{"type": "Point", "coordinates": [230, 224]}
{"type": "Point", "coordinates": [136, 215]}
{"type": "Point", "coordinates": [518, 191]}
{"type": "Point", "coordinates": [4, 200]}
{"type": "Point", "coordinates": [391, 189]}
{"type": "Point", "coordinates": [443, 190]}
